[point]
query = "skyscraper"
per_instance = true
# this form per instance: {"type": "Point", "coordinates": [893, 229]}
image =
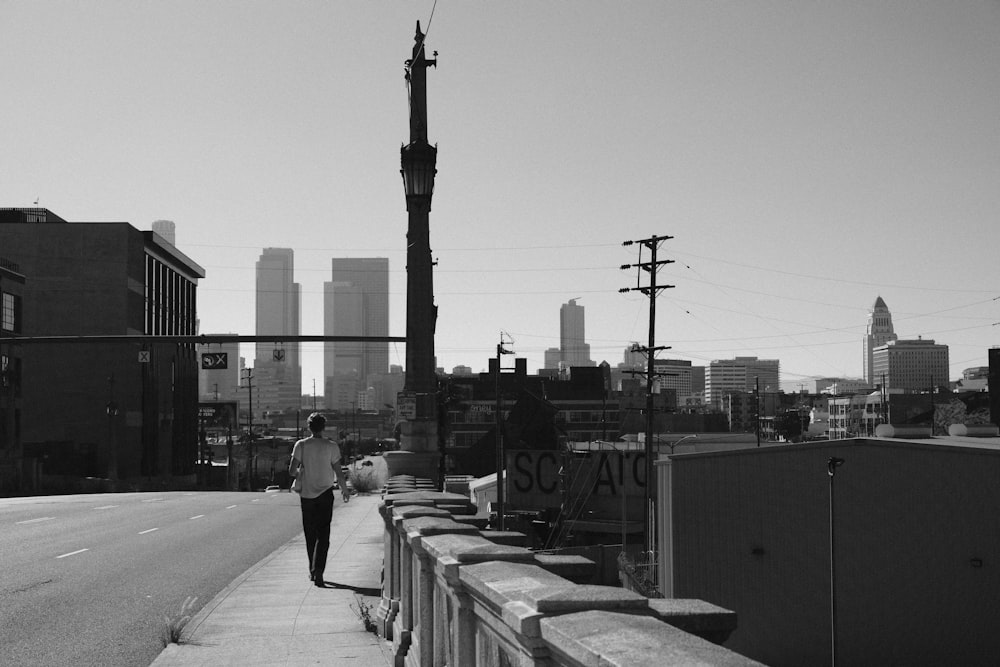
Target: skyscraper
{"type": "Point", "coordinates": [277, 378]}
{"type": "Point", "coordinates": [355, 303]}
{"type": "Point", "coordinates": [879, 333]}
{"type": "Point", "coordinates": [572, 341]}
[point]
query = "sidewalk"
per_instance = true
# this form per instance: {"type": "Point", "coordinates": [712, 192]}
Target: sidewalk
{"type": "Point", "coordinates": [273, 615]}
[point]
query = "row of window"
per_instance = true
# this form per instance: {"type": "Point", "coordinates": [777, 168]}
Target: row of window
{"type": "Point", "coordinates": [170, 301]}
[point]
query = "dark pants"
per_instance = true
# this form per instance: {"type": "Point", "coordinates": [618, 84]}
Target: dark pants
{"type": "Point", "coordinates": [316, 516]}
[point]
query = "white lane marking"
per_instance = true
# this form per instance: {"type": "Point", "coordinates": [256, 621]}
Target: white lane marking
{"type": "Point", "coordinates": [153, 500]}
{"type": "Point", "coordinates": [196, 517]}
{"type": "Point", "coordinates": [72, 553]}
{"type": "Point", "coordinates": [143, 532]}
{"type": "Point", "coordinates": [38, 520]}
{"type": "Point", "coordinates": [231, 507]}
{"type": "Point", "coordinates": [255, 500]}
{"type": "Point", "coordinates": [106, 507]}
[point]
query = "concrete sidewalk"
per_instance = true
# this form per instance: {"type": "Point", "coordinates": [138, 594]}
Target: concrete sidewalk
{"type": "Point", "coordinates": [273, 615]}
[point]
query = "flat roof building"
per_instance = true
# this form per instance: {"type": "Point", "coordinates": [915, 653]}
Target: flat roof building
{"type": "Point", "coordinates": [105, 409]}
{"type": "Point", "coordinates": [911, 365]}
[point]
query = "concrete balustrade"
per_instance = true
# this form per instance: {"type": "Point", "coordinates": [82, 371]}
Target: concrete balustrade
{"type": "Point", "coordinates": [456, 595]}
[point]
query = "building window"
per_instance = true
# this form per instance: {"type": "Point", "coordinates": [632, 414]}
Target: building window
{"type": "Point", "coordinates": [10, 315]}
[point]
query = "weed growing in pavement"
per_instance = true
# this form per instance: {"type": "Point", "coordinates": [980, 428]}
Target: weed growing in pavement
{"type": "Point", "coordinates": [363, 479]}
{"type": "Point", "coordinates": [364, 612]}
{"type": "Point", "coordinates": [174, 628]}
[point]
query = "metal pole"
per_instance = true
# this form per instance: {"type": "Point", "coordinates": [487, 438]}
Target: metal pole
{"type": "Point", "coordinates": [499, 454]}
{"type": "Point", "coordinates": [756, 407]}
{"type": "Point", "coordinates": [832, 464]}
{"type": "Point", "coordinates": [621, 489]}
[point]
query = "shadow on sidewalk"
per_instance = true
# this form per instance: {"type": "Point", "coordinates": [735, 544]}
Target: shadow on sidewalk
{"type": "Point", "coordinates": [361, 590]}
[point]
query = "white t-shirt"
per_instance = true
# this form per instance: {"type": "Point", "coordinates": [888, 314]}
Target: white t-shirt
{"type": "Point", "coordinates": [318, 457]}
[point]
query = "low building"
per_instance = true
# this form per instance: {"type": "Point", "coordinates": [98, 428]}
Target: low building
{"type": "Point", "coordinates": [904, 529]}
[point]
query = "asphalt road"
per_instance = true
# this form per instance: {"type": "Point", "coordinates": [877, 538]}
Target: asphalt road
{"type": "Point", "coordinates": [88, 579]}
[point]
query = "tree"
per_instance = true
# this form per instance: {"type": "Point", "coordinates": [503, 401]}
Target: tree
{"type": "Point", "coordinates": [788, 425]}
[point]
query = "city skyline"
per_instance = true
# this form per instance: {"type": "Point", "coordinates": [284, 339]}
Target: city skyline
{"type": "Point", "coordinates": [805, 159]}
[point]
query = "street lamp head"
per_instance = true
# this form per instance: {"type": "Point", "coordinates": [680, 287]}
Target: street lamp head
{"type": "Point", "coordinates": [418, 160]}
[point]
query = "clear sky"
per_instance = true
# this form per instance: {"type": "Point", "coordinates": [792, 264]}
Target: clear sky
{"type": "Point", "coordinates": [807, 157]}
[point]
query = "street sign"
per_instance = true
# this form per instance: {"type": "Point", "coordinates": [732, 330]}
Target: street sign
{"type": "Point", "coordinates": [278, 355]}
{"type": "Point", "coordinates": [144, 357]}
{"type": "Point", "coordinates": [212, 361]}
{"type": "Point", "coordinates": [406, 405]}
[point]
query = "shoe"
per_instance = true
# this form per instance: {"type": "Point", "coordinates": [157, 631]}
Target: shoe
{"type": "Point", "coordinates": [319, 583]}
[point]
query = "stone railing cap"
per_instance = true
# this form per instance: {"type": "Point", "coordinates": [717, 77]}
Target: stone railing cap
{"type": "Point", "coordinates": [499, 582]}
{"type": "Point", "coordinates": [609, 638]}
{"type": "Point", "coordinates": [414, 511]}
{"type": "Point", "coordinates": [430, 525]}
{"type": "Point", "coordinates": [438, 497]}
{"type": "Point", "coordinates": [563, 599]}
{"type": "Point", "coordinates": [472, 549]}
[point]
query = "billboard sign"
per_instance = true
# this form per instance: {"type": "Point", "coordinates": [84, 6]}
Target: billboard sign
{"type": "Point", "coordinates": [221, 415]}
{"type": "Point", "coordinates": [533, 478]}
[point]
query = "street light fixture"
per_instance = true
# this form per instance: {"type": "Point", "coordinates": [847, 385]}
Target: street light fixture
{"type": "Point", "coordinates": [418, 167]}
{"type": "Point", "coordinates": [677, 442]}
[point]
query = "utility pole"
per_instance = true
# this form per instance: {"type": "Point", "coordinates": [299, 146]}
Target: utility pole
{"type": "Point", "coordinates": [501, 350]}
{"type": "Point", "coordinates": [651, 291]}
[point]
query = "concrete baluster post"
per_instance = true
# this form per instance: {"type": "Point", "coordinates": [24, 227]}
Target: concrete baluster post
{"type": "Point", "coordinates": [403, 624]}
{"type": "Point", "coordinates": [389, 604]}
{"type": "Point", "coordinates": [422, 608]}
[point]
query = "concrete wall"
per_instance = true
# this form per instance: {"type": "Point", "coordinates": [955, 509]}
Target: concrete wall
{"type": "Point", "coordinates": [457, 594]}
{"type": "Point", "coordinates": [917, 550]}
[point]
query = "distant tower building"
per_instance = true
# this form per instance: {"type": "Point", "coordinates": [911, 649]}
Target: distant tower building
{"type": "Point", "coordinates": [634, 357]}
{"type": "Point", "coordinates": [741, 374]}
{"type": "Point", "coordinates": [879, 333]}
{"type": "Point", "coordinates": [166, 229]}
{"type": "Point", "coordinates": [355, 303]}
{"type": "Point", "coordinates": [277, 377]}
{"type": "Point", "coordinates": [572, 340]}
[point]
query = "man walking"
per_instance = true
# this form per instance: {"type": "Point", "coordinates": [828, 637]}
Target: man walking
{"type": "Point", "coordinates": [316, 468]}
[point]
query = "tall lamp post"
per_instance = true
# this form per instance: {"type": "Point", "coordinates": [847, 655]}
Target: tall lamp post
{"type": "Point", "coordinates": [831, 468]}
{"type": "Point", "coordinates": [418, 453]}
